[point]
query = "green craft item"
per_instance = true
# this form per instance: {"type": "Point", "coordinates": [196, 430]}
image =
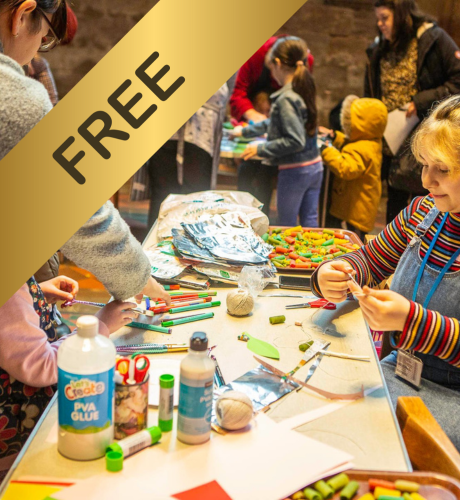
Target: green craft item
{"type": "Point", "coordinates": [311, 494]}
{"type": "Point", "coordinates": [265, 237]}
{"type": "Point", "coordinates": [349, 491]}
{"type": "Point", "coordinates": [339, 481]}
{"type": "Point", "coordinates": [262, 348]}
{"type": "Point", "coordinates": [328, 242]}
{"type": "Point", "coordinates": [275, 320]}
{"type": "Point", "coordinates": [303, 347]}
{"type": "Point", "coordinates": [324, 489]}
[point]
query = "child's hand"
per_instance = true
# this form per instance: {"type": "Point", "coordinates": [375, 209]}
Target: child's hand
{"type": "Point", "coordinates": [155, 291]}
{"type": "Point", "coordinates": [236, 132]}
{"type": "Point", "coordinates": [249, 152]}
{"type": "Point", "coordinates": [411, 110]}
{"type": "Point", "coordinates": [325, 131]}
{"type": "Point", "coordinates": [384, 310]}
{"type": "Point", "coordinates": [59, 288]}
{"type": "Point", "coordinates": [333, 280]}
{"type": "Point", "coordinates": [116, 314]}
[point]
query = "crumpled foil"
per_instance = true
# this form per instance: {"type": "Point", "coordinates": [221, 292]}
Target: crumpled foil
{"type": "Point", "coordinates": [229, 236]}
{"type": "Point", "coordinates": [262, 386]}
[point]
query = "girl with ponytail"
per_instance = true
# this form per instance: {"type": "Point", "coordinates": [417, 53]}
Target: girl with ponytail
{"type": "Point", "coordinates": [291, 134]}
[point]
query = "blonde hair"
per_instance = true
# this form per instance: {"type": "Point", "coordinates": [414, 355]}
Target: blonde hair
{"type": "Point", "coordinates": [438, 137]}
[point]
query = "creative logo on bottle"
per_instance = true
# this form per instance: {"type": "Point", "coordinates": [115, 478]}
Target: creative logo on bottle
{"type": "Point", "coordinates": [83, 388]}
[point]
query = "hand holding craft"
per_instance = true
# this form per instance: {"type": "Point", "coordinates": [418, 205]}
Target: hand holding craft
{"type": "Point", "coordinates": [333, 280]}
{"type": "Point", "coordinates": [155, 291]}
{"type": "Point", "coordinates": [59, 288]}
{"type": "Point", "coordinates": [249, 152]}
{"type": "Point", "coordinates": [116, 314]}
{"type": "Point", "coordinates": [383, 309]}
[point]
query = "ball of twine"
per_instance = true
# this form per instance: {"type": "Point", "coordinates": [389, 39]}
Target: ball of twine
{"type": "Point", "coordinates": [234, 410]}
{"type": "Point", "coordinates": [239, 302]}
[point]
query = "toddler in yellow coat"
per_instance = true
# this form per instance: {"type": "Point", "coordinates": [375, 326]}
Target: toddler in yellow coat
{"type": "Point", "coordinates": [355, 158]}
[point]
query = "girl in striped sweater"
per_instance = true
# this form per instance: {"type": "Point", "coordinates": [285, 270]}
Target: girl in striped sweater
{"type": "Point", "coordinates": [421, 247]}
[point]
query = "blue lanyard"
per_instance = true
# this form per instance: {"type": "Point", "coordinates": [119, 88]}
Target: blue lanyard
{"type": "Point", "coordinates": [425, 260]}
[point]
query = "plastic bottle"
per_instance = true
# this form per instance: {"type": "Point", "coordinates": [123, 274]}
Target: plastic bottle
{"type": "Point", "coordinates": [195, 392]}
{"type": "Point", "coordinates": [86, 364]}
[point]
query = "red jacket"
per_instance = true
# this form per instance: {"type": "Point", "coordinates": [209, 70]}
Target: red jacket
{"type": "Point", "coordinates": [249, 80]}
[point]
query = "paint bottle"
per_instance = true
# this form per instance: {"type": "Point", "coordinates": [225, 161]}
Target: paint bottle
{"type": "Point", "coordinates": [195, 392]}
{"type": "Point", "coordinates": [86, 363]}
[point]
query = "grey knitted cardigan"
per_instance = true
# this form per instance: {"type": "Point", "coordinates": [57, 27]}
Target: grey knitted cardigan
{"type": "Point", "coordinates": [104, 245]}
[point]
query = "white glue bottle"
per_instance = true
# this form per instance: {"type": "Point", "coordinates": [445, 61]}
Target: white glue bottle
{"type": "Point", "coordinates": [195, 392]}
{"type": "Point", "coordinates": [86, 363]}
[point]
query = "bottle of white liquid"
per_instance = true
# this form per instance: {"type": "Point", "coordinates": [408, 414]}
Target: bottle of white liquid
{"type": "Point", "coordinates": [86, 363]}
{"type": "Point", "coordinates": [195, 392]}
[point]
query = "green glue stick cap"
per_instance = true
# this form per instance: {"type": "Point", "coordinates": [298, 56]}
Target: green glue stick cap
{"type": "Point", "coordinates": [167, 381]}
{"type": "Point", "coordinates": [155, 433]}
{"type": "Point", "coordinates": [114, 461]}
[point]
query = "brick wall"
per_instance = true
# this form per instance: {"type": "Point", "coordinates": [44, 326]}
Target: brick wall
{"type": "Point", "coordinates": [337, 32]}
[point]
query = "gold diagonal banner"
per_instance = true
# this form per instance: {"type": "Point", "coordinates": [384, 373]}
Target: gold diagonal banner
{"type": "Point", "coordinates": [137, 96]}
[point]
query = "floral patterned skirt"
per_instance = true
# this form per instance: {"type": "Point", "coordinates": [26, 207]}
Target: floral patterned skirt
{"type": "Point", "coordinates": [21, 406]}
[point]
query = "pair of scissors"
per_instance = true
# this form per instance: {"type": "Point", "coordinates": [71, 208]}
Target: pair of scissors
{"type": "Point", "coordinates": [316, 304]}
{"type": "Point", "coordinates": [133, 370]}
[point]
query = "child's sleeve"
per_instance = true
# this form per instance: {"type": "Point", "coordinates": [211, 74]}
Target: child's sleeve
{"type": "Point", "coordinates": [293, 134]}
{"type": "Point", "coordinates": [257, 129]}
{"type": "Point", "coordinates": [25, 352]}
{"type": "Point", "coordinates": [429, 332]}
{"type": "Point", "coordinates": [378, 260]}
{"type": "Point", "coordinates": [105, 246]}
{"type": "Point", "coordinates": [348, 164]}
{"type": "Point", "coordinates": [339, 140]}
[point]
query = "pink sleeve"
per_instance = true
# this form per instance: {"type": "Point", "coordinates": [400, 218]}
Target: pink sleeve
{"type": "Point", "coordinates": [25, 352]}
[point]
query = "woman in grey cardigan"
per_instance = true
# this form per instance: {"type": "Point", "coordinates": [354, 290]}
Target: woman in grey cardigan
{"type": "Point", "coordinates": [104, 244]}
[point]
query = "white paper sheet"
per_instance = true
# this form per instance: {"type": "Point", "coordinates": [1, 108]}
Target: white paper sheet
{"type": "Point", "coordinates": [159, 365]}
{"type": "Point", "coordinates": [309, 416]}
{"type": "Point", "coordinates": [266, 462]}
{"type": "Point", "coordinates": [398, 128]}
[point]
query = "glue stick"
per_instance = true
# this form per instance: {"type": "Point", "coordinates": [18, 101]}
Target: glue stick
{"type": "Point", "coordinates": [166, 407]}
{"type": "Point", "coordinates": [136, 442]}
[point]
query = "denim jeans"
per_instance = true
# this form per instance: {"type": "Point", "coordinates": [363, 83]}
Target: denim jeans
{"type": "Point", "coordinates": [298, 195]}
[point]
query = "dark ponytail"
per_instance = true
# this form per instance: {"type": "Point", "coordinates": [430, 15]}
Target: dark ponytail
{"type": "Point", "coordinates": [293, 52]}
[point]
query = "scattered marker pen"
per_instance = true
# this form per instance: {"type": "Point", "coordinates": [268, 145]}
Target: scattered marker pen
{"type": "Point", "coordinates": [181, 321]}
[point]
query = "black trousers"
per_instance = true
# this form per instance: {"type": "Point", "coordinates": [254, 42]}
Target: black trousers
{"type": "Point", "coordinates": [397, 199]}
{"type": "Point", "coordinates": [162, 170]}
{"type": "Point", "coordinates": [259, 180]}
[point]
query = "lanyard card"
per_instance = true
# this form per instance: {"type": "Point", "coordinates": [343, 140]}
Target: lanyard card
{"type": "Point", "coordinates": [409, 368]}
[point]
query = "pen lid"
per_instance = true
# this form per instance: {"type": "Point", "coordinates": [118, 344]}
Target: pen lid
{"type": "Point", "coordinates": [155, 433]}
{"type": "Point", "coordinates": [166, 381]}
{"type": "Point", "coordinates": [114, 461]}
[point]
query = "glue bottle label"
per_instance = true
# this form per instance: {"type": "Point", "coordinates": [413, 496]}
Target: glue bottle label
{"type": "Point", "coordinates": [85, 402]}
{"type": "Point", "coordinates": [195, 406]}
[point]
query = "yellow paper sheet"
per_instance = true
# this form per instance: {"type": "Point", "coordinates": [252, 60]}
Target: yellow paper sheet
{"type": "Point", "coordinates": [30, 491]}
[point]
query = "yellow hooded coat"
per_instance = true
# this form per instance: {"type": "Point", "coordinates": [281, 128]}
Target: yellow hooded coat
{"type": "Point", "coordinates": [356, 161]}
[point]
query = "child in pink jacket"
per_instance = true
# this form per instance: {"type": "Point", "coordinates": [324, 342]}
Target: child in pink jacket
{"type": "Point", "coordinates": [28, 356]}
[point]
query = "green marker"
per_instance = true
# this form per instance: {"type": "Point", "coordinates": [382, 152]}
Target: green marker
{"type": "Point", "coordinates": [153, 328]}
{"type": "Point", "coordinates": [181, 321]}
{"type": "Point", "coordinates": [192, 308]}
{"type": "Point", "coordinates": [193, 292]}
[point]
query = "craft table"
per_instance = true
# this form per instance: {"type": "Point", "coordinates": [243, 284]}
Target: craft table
{"type": "Point", "coordinates": [366, 428]}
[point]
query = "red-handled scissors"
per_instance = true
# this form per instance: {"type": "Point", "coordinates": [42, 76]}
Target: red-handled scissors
{"type": "Point", "coordinates": [316, 304]}
{"type": "Point", "coordinates": [141, 365]}
{"type": "Point", "coordinates": [133, 370]}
